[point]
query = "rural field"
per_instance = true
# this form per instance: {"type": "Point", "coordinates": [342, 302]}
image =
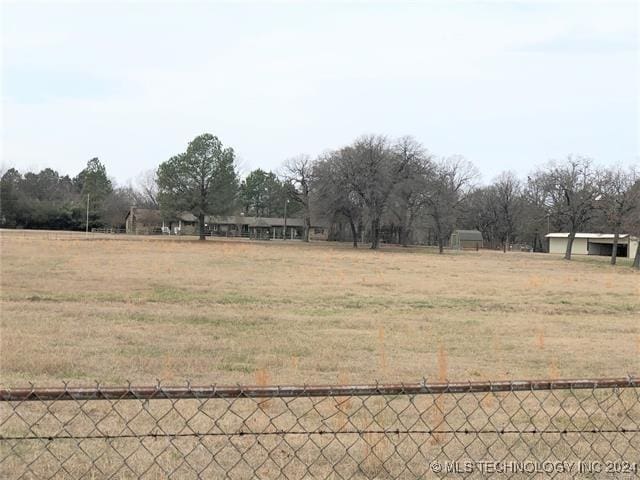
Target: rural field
{"type": "Point", "coordinates": [138, 308]}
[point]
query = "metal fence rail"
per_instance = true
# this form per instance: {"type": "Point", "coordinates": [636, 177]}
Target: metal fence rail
{"type": "Point", "coordinates": [562, 429]}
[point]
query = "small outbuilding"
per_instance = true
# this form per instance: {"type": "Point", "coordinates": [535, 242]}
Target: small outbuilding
{"type": "Point", "coordinates": [466, 240]}
{"type": "Point", "coordinates": [600, 244]}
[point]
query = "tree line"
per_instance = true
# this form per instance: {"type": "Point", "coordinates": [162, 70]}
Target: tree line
{"type": "Point", "coordinates": [372, 190]}
{"type": "Point", "coordinates": [48, 200]}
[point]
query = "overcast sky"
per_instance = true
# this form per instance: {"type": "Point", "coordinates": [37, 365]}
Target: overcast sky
{"type": "Point", "coordinates": [507, 85]}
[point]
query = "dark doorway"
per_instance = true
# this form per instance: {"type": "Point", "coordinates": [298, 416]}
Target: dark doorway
{"type": "Point", "coordinates": [605, 249]}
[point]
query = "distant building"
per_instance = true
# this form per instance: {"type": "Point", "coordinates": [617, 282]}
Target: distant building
{"type": "Point", "coordinates": [593, 244]}
{"type": "Point", "coordinates": [144, 221]}
{"type": "Point", "coordinates": [466, 240]}
{"type": "Point", "coordinates": [262, 227]}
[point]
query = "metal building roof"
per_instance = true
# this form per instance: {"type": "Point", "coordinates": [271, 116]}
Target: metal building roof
{"type": "Point", "coordinates": [602, 236]}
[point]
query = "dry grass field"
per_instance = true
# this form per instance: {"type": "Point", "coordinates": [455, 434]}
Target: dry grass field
{"type": "Point", "coordinates": [140, 309]}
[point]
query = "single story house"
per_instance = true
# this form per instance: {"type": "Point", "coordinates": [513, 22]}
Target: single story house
{"type": "Point", "coordinates": [144, 221]}
{"type": "Point", "coordinates": [252, 227]}
{"type": "Point", "coordinates": [466, 239]}
{"type": "Point", "coordinates": [593, 244]}
{"type": "Point", "coordinates": [264, 227]}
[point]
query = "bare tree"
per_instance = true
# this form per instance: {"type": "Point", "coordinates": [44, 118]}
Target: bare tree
{"type": "Point", "coordinates": [298, 173]}
{"type": "Point", "coordinates": [147, 189]}
{"type": "Point", "coordinates": [373, 167]}
{"type": "Point", "coordinates": [333, 196]}
{"type": "Point", "coordinates": [507, 193]}
{"type": "Point", "coordinates": [116, 205]}
{"type": "Point", "coordinates": [480, 212]}
{"type": "Point", "coordinates": [408, 199]}
{"type": "Point", "coordinates": [572, 191]}
{"type": "Point", "coordinates": [618, 201]}
{"type": "Point", "coordinates": [366, 166]}
{"type": "Point", "coordinates": [447, 189]}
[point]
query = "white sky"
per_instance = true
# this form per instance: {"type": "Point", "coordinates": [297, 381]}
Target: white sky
{"type": "Point", "coordinates": [507, 85]}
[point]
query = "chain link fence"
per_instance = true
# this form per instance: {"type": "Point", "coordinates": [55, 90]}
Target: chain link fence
{"type": "Point", "coordinates": [561, 429]}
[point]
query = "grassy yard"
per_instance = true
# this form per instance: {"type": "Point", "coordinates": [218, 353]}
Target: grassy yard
{"type": "Point", "coordinates": [141, 309]}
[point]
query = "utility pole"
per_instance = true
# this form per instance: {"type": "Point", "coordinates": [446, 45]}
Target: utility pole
{"type": "Point", "coordinates": [87, 226]}
{"type": "Point", "coordinates": [284, 232]}
{"type": "Point", "coordinates": [548, 246]}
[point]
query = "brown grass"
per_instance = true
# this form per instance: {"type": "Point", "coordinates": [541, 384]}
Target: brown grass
{"type": "Point", "coordinates": [218, 312]}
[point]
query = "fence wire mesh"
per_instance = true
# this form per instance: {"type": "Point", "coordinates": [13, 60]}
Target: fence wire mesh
{"type": "Point", "coordinates": [569, 428]}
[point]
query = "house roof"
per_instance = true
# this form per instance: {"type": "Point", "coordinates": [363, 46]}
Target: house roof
{"type": "Point", "coordinates": [254, 221]}
{"type": "Point", "coordinates": [248, 220]}
{"type": "Point", "coordinates": [468, 234]}
{"type": "Point", "coordinates": [602, 236]}
{"type": "Point", "coordinates": [260, 222]}
{"type": "Point", "coordinates": [187, 217]}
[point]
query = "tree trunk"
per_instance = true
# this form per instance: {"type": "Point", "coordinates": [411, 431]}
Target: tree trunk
{"type": "Point", "coordinates": [201, 225]}
{"type": "Point", "coordinates": [405, 232]}
{"type": "Point", "coordinates": [407, 228]}
{"type": "Point", "coordinates": [404, 237]}
{"type": "Point", "coordinates": [636, 260]}
{"type": "Point", "coordinates": [537, 242]}
{"type": "Point", "coordinates": [306, 229]}
{"type": "Point", "coordinates": [307, 220]}
{"type": "Point", "coordinates": [614, 249]}
{"type": "Point", "coordinates": [375, 233]}
{"type": "Point", "coordinates": [354, 233]}
{"type": "Point", "coordinates": [542, 247]}
{"type": "Point", "coordinates": [572, 236]}
{"type": "Point", "coordinates": [439, 235]}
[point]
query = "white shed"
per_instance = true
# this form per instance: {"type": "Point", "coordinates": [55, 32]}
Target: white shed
{"type": "Point", "coordinates": [593, 244]}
